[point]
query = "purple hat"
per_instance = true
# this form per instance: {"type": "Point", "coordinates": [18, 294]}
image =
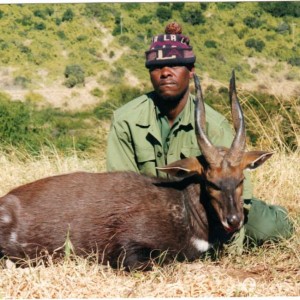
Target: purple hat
{"type": "Point", "coordinates": [171, 48]}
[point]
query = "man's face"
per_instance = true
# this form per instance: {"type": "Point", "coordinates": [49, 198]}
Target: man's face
{"type": "Point", "coordinates": [171, 82]}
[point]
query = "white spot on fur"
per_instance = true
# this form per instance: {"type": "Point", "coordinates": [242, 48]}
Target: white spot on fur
{"type": "Point", "coordinates": [6, 219]}
{"type": "Point", "coordinates": [201, 245]}
{"type": "Point", "coordinates": [13, 237]}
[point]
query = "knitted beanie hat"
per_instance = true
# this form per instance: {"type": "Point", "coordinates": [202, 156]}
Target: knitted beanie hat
{"type": "Point", "coordinates": [171, 48]}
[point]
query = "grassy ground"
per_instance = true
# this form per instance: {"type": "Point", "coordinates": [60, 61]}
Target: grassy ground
{"type": "Point", "coordinates": [270, 270]}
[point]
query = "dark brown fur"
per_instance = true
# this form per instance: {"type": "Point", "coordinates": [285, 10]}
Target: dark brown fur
{"type": "Point", "coordinates": [102, 212]}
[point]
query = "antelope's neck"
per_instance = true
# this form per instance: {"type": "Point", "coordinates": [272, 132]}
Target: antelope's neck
{"type": "Point", "coordinates": [196, 212]}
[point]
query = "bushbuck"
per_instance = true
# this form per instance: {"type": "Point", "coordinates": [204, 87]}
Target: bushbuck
{"type": "Point", "coordinates": [129, 219]}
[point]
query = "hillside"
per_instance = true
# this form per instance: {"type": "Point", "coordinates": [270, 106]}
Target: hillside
{"type": "Point", "coordinates": [107, 41]}
{"type": "Point", "coordinates": [71, 65]}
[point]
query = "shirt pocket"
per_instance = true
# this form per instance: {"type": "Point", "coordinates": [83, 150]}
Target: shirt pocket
{"type": "Point", "coordinates": [145, 158]}
{"type": "Point", "coordinates": [189, 152]}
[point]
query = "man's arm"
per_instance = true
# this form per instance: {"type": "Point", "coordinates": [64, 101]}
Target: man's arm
{"type": "Point", "coordinates": [120, 152]}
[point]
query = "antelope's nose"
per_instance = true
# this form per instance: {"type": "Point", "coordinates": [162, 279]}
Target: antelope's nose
{"type": "Point", "coordinates": [233, 221]}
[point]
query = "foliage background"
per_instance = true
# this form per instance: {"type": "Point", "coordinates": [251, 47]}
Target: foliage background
{"type": "Point", "coordinates": [68, 66]}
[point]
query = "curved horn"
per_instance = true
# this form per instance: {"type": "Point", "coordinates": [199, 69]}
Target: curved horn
{"type": "Point", "coordinates": [235, 154]}
{"type": "Point", "coordinates": [209, 151]}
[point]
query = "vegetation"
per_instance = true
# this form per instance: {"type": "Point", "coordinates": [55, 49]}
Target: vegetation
{"type": "Point", "coordinates": [34, 37]}
{"type": "Point", "coordinates": [26, 127]}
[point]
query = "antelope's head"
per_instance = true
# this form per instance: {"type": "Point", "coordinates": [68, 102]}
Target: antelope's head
{"type": "Point", "coordinates": [222, 168]}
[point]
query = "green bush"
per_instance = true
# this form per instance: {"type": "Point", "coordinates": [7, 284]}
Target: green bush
{"type": "Point", "coordinates": [22, 81]}
{"type": "Point", "coordinates": [117, 97]}
{"type": "Point", "coordinates": [226, 5]}
{"type": "Point", "coordinates": [145, 19]}
{"type": "Point", "coordinates": [40, 14]}
{"type": "Point", "coordinates": [97, 92]}
{"type": "Point", "coordinates": [68, 15]}
{"type": "Point", "coordinates": [178, 6]}
{"type": "Point", "coordinates": [15, 122]}
{"type": "Point", "coordinates": [252, 22]}
{"type": "Point", "coordinates": [81, 37]}
{"type": "Point", "coordinates": [283, 28]}
{"type": "Point", "coordinates": [256, 44]}
{"type": "Point", "coordinates": [193, 16]}
{"type": "Point", "coordinates": [61, 34]}
{"type": "Point", "coordinates": [74, 75]}
{"type": "Point", "coordinates": [294, 61]}
{"type": "Point", "coordinates": [40, 26]}
{"type": "Point", "coordinates": [210, 44]}
{"type": "Point", "coordinates": [163, 13]}
{"type": "Point", "coordinates": [130, 6]}
{"type": "Point", "coordinates": [124, 40]}
{"type": "Point", "coordinates": [281, 8]}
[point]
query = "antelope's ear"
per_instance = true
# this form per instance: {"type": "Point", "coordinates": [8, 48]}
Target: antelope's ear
{"type": "Point", "coordinates": [183, 167]}
{"type": "Point", "coordinates": [254, 159]}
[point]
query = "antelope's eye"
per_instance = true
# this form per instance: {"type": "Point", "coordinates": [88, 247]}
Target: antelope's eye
{"type": "Point", "coordinates": [212, 186]}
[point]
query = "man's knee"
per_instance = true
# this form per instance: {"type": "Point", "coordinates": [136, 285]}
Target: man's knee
{"type": "Point", "coordinates": [266, 222]}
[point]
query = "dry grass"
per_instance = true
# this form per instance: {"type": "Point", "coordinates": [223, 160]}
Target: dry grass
{"type": "Point", "coordinates": [270, 270]}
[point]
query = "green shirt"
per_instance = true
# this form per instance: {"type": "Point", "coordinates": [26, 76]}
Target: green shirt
{"type": "Point", "coordinates": [135, 141]}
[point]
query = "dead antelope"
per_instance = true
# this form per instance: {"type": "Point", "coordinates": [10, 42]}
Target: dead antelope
{"type": "Point", "coordinates": [129, 219]}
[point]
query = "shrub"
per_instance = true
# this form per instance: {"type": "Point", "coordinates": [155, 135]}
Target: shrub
{"type": "Point", "coordinates": [74, 75]}
{"type": "Point", "coordinates": [281, 8]}
{"type": "Point", "coordinates": [21, 81]}
{"type": "Point", "coordinates": [25, 21]}
{"type": "Point", "coordinates": [252, 22]}
{"type": "Point", "coordinates": [39, 26]}
{"type": "Point", "coordinates": [118, 96]}
{"type": "Point", "coordinates": [15, 121]}
{"type": "Point", "coordinates": [1, 14]}
{"type": "Point", "coordinates": [283, 28]}
{"type": "Point", "coordinates": [131, 6]}
{"type": "Point", "coordinates": [100, 10]}
{"type": "Point", "coordinates": [82, 37]}
{"type": "Point", "coordinates": [226, 5]}
{"type": "Point", "coordinates": [40, 14]}
{"type": "Point", "coordinates": [193, 16]}
{"type": "Point", "coordinates": [97, 92]}
{"type": "Point", "coordinates": [124, 40]}
{"type": "Point", "coordinates": [178, 6]}
{"type": "Point", "coordinates": [61, 34]}
{"type": "Point", "coordinates": [49, 11]}
{"type": "Point", "coordinates": [68, 15]}
{"type": "Point", "coordinates": [145, 19]}
{"type": "Point", "coordinates": [210, 44]}
{"type": "Point", "coordinates": [256, 44]}
{"type": "Point", "coordinates": [294, 61]}
{"type": "Point", "coordinates": [163, 13]}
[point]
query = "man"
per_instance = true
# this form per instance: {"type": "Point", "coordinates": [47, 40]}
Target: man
{"type": "Point", "coordinates": [157, 129]}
